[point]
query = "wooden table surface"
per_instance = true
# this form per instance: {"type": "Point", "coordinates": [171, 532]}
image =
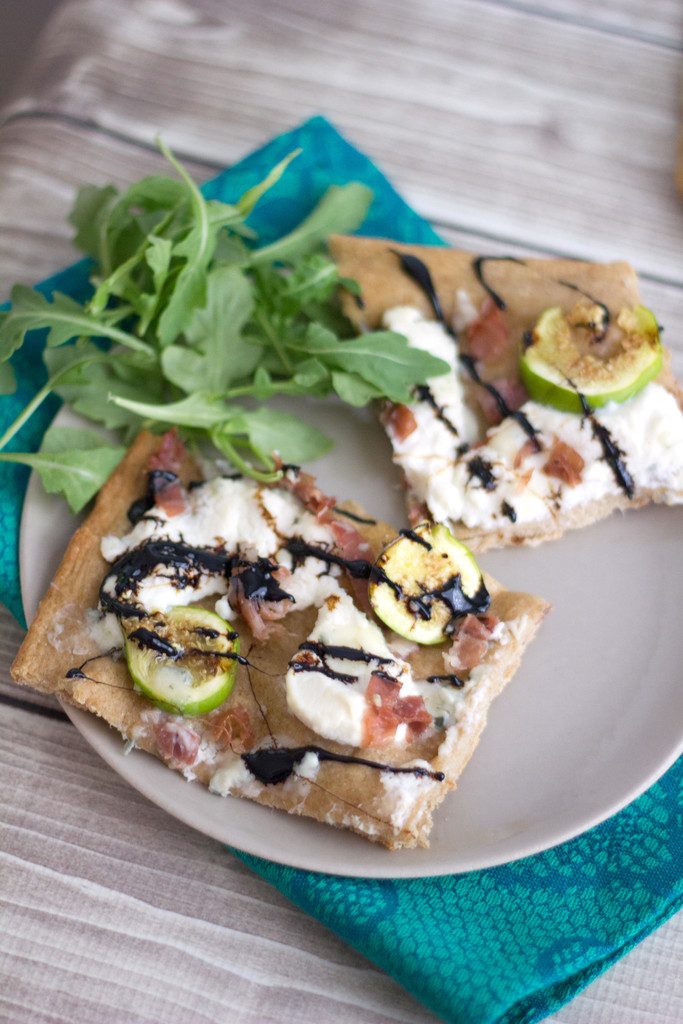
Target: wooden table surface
{"type": "Point", "coordinates": [545, 126]}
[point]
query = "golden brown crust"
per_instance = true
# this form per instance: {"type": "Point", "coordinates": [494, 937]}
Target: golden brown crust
{"type": "Point", "coordinates": [372, 262]}
{"type": "Point", "coordinates": [347, 796]}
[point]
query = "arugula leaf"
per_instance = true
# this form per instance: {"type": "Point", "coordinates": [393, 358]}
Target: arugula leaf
{"type": "Point", "coordinates": [63, 317]}
{"type": "Point", "coordinates": [248, 201]}
{"type": "Point", "coordinates": [353, 390]}
{"type": "Point", "coordinates": [271, 431]}
{"type": "Point", "coordinates": [341, 209]}
{"type": "Point", "coordinates": [383, 359]}
{"type": "Point", "coordinates": [8, 381]}
{"type": "Point", "coordinates": [89, 217]}
{"type": "Point", "coordinates": [201, 409]}
{"type": "Point", "coordinates": [72, 462]}
{"type": "Point", "coordinates": [196, 250]}
{"type": "Point", "coordinates": [220, 353]}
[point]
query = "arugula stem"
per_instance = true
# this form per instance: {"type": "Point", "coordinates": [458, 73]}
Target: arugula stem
{"type": "Point", "coordinates": [41, 395]}
{"type": "Point", "coordinates": [245, 467]}
{"type": "Point", "coordinates": [26, 414]}
{"type": "Point", "coordinates": [267, 329]}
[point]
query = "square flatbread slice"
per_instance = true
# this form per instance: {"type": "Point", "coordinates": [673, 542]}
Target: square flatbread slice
{"type": "Point", "coordinates": [394, 809]}
{"type": "Point", "coordinates": [463, 466]}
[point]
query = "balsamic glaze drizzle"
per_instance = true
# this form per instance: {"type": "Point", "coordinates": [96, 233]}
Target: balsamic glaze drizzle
{"type": "Point", "coordinates": [257, 580]}
{"type": "Point", "coordinates": [478, 265]}
{"type": "Point", "coordinates": [411, 535]}
{"type": "Point", "coordinates": [425, 394]}
{"type": "Point", "coordinates": [600, 334]}
{"type": "Point", "coordinates": [612, 453]}
{"type": "Point", "coordinates": [507, 510]}
{"type": "Point", "coordinates": [453, 596]}
{"type": "Point", "coordinates": [504, 409]}
{"type": "Point", "coordinates": [273, 765]}
{"type": "Point", "coordinates": [352, 515]}
{"type": "Point", "coordinates": [345, 653]}
{"type": "Point", "coordinates": [450, 678]}
{"type": "Point", "coordinates": [482, 470]}
{"type": "Point", "coordinates": [358, 568]}
{"type": "Point", "coordinates": [77, 671]}
{"type": "Point", "coordinates": [419, 272]}
{"type": "Point", "coordinates": [151, 640]}
{"type": "Point", "coordinates": [324, 651]}
{"type": "Point", "coordinates": [157, 479]}
{"type": "Point", "coordinates": [187, 562]}
{"type": "Point", "coordinates": [323, 669]}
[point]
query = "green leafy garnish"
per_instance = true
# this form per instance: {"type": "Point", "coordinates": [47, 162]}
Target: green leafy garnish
{"type": "Point", "coordinates": [72, 462]}
{"type": "Point", "coordinates": [189, 318]}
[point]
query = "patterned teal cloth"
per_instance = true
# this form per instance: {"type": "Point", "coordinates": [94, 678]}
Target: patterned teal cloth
{"type": "Point", "coordinates": [510, 944]}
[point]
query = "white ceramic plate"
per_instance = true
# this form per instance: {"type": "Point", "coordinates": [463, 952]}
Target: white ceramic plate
{"type": "Point", "coordinates": [594, 716]}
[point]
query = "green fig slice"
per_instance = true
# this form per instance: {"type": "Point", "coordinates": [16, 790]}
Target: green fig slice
{"type": "Point", "coordinates": [579, 352]}
{"type": "Point", "coordinates": [425, 581]}
{"type": "Point", "coordinates": [184, 660]}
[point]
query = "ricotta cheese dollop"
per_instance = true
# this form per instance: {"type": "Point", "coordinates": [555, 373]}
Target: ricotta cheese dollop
{"type": "Point", "coordinates": [330, 706]}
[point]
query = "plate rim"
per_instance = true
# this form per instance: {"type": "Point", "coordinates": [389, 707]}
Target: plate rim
{"type": "Point", "coordinates": [88, 726]}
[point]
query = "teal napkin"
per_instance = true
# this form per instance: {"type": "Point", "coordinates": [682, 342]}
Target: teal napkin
{"type": "Point", "coordinates": [509, 944]}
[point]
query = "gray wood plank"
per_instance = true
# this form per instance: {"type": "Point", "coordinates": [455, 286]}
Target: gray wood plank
{"type": "Point", "coordinates": [130, 914]}
{"type": "Point", "coordinates": [527, 144]}
{"type": "Point", "coordinates": [660, 23]}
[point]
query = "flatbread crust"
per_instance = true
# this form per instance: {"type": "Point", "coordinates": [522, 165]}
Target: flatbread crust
{"type": "Point", "coordinates": [528, 290]}
{"type": "Point", "coordinates": [346, 796]}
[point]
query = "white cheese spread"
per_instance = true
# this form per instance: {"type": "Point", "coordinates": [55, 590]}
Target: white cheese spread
{"type": "Point", "coordinates": [237, 515]}
{"type": "Point", "coordinates": [330, 707]}
{"type": "Point", "coordinates": [648, 428]}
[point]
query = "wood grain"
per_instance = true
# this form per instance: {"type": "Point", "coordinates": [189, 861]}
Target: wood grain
{"type": "Point", "coordinates": [542, 126]}
{"type": "Point", "coordinates": [548, 121]}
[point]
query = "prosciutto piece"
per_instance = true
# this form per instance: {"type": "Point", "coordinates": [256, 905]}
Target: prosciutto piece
{"type": "Point", "coordinates": [387, 710]}
{"type": "Point", "coordinates": [470, 642]}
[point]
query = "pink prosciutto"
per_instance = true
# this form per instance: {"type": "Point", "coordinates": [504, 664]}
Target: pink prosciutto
{"type": "Point", "coordinates": [386, 711]}
{"type": "Point", "coordinates": [169, 493]}
{"type": "Point", "coordinates": [177, 742]}
{"type": "Point", "coordinates": [470, 642]}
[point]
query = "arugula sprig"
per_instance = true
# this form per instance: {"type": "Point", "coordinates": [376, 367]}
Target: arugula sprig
{"type": "Point", "coordinates": [188, 318]}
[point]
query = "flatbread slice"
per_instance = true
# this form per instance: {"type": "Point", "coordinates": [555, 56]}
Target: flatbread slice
{"type": "Point", "coordinates": [509, 497]}
{"type": "Point", "coordinates": [393, 809]}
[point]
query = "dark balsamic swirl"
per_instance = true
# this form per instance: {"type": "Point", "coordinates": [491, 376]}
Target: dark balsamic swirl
{"type": "Point", "coordinates": [508, 511]}
{"type": "Point", "coordinates": [451, 678]}
{"type": "Point", "coordinates": [416, 538]}
{"type": "Point", "coordinates": [257, 580]}
{"type": "Point", "coordinates": [321, 652]}
{"type": "Point", "coordinates": [367, 520]}
{"type": "Point", "coordinates": [612, 453]}
{"type": "Point", "coordinates": [157, 480]}
{"type": "Point", "coordinates": [425, 394]}
{"type": "Point", "coordinates": [478, 268]}
{"type": "Point", "coordinates": [273, 765]}
{"type": "Point", "coordinates": [482, 470]}
{"type": "Point", "coordinates": [186, 564]}
{"type": "Point", "coordinates": [453, 596]}
{"type": "Point", "coordinates": [152, 641]}
{"type": "Point", "coordinates": [419, 273]}
{"type": "Point", "coordinates": [504, 409]}
{"type": "Point", "coordinates": [599, 334]}
{"type": "Point", "coordinates": [358, 568]}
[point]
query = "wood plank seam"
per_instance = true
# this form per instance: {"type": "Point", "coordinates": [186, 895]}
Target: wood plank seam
{"type": "Point", "coordinates": [577, 21]}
